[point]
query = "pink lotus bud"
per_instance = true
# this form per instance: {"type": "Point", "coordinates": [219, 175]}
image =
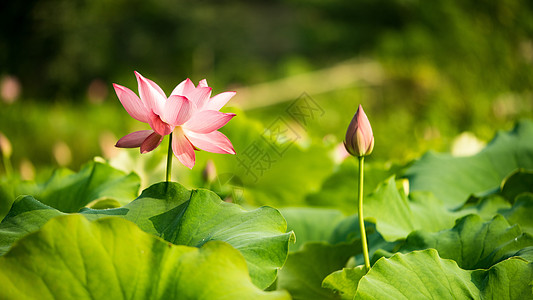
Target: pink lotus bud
{"type": "Point", "coordinates": [359, 138]}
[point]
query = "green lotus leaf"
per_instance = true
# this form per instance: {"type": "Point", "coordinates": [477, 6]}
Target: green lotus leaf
{"type": "Point", "coordinates": [424, 275]}
{"type": "Point", "coordinates": [396, 214]}
{"type": "Point", "coordinates": [345, 281]}
{"type": "Point", "coordinates": [68, 192]}
{"type": "Point", "coordinates": [182, 217]}
{"type": "Point", "coordinates": [472, 243]}
{"type": "Point", "coordinates": [454, 179]}
{"type": "Point", "coordinates": [521, 212]}
{"type": "Point", "coordinates": [311, 224]}
{"type": "Point", "coordinates": [305, 270]}
{"type": "Point", "coordinates": [509, 279]}
{"type": "Point", "coordinates": [517, 183]}
{"type": "Point", "coordinates": [111, 258]}
{"type": "Point", "coordinates": [486, 207]}
{"type": "Point", "coordinates": [339, 190]}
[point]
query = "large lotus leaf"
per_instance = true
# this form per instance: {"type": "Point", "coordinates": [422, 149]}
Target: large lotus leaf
{"type": "Point", "coordinates": [396, 215]}
{"type": "Point", "coordinates": [8, 190]}
{"type": "Point", "coordinates": [521, 213]}
{"type": "Point", "coordinates": [305, 270]}
{"type": "Point", "coordinates": [509, 279]}
{"type": "Point", "coordinates": [486, 207]}
{"type": "Point", "coordinates": [73, 258]}
{"type": "Point", "coordinates": [517, 183]}
{"type": "Point", "coordinates": [453, 179]}
{"type": "Point", "coordinates": [348, 231]}
{"type": "Point", "coordinates": [424, 275]}
{"type": "Point", "coordinates": [69, 192]}
{"type": "Point", "coordinates": [345, 281]}
{"type": "Point", "coordinates": [472, 243]}
{"type": "Point", "coordinates": [182, 217]}
{"type": "Point", "coordinates": [339, 190]}
{"type": "Point", "coordinates": [26, 215]}
{"type": "Point", "coordinates": [311, 224]}
{"type": "Point", "coordinates": [514, 186]}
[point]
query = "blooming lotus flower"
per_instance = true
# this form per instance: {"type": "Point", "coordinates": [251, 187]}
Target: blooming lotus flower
{"type": "Point", "coordinates": [359, 138]}
{"type": "Point", "coordinates": [189, 113]}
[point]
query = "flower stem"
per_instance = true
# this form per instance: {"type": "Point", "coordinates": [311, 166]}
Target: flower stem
{"type": "Point", "coordinates": [169, 158]}
{"type": "Point", "coordinates": [361, 219]}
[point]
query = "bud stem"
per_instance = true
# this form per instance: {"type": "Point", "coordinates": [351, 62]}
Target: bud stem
{"type": "Point", "coordinates": [169, 158]}
{"type": "Point", "coordinates": [364, 245]}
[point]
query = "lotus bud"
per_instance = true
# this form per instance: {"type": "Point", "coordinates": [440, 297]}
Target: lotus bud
{"type": "Point", "coordinates": [359, 138]}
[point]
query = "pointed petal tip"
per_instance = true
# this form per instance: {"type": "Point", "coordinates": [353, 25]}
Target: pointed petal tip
{"type": "Point", "coordinates": [203, 83]}
{"type": "Point", "coordinates": [118, 87]}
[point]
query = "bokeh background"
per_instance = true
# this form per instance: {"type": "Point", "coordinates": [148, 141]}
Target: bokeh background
{"type": "Point", "coordinates": [430, 74]}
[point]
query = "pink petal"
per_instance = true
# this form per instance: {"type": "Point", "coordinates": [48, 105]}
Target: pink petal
{"type": "Point", "coordinates": [214, 141]}
{"type": "Point", "coordinates": [182, 148]}
{"type": "Point", "coordinates": [151, 142]}
{"type": "Point", "coordinates": [218, 101]}
{"type": "Point", "coordinates": [178, 109]}
{"type": "Point", "coordinates": [134, 139]}
{"type": "Point", "coordinates": [155, 86]}
{"type": "Point", "coordinates": [202, 83]}
{"type": "Point", "coordinates": [200, 96]}
{"type": "Point", "coordinates": [131, 102]}
{"type": "Point", "coordinates": [207, 121]}
{"type": "Point", "coordinates": [159, 125]}
{"type": "Point", "coordinates": [151, 94]}
{"type": "Point", "coordinates": [184, 88]}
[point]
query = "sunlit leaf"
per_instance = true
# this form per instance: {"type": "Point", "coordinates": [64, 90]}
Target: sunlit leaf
{"type": "Point", "coordinates": [305, 270]}
{"type": "Point", "coordinates": [424, 275]}
{"type": "Point", "coordinates": [73, 258]}
{"type": "Point", "coordinates": [521, 213]}
{"type": "Point", "coordinates": [183, 217]}
{"type": "Point", "coordinates": [345, 281]}
{"type": "Point", "coordinates": [396, 214]}
{"type": "Point", "coordinates": [517, 183]}
{"type": "Point", "coordinates": [311, 224]}
{"type": "Point", "coordinates": [339, 190]}
{"type": "Point", "coordinates": [472, 243]}
{"type": "Point", "coordinates": [68, 191]}
{"type": "Point", "coordinates": [453, 179]}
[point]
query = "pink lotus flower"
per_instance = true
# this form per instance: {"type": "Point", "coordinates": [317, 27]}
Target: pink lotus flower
{"type": "Point", "coordinates": [189, 113]}
{"type": "Point", "coordinates": [359, 137]}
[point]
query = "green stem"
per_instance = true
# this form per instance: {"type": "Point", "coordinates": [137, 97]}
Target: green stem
{"type": "Point", "coordinates": [361, 219]}
{"type": "Point", "coordinates": [169, 158]}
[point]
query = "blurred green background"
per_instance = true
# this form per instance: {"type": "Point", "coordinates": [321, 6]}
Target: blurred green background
{"type": "Point", "coordinates": [425, 71]}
